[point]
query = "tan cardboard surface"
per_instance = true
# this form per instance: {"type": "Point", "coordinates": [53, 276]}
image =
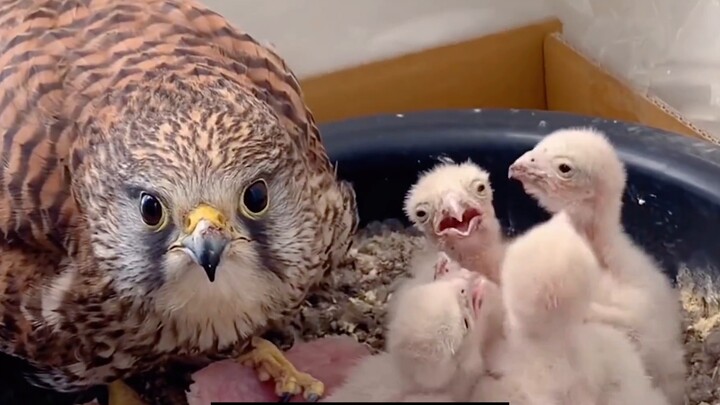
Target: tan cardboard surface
{"type": "Point", "coordinates": [503, 70]}
{"type": "Point", "coordinates": [528, 67]}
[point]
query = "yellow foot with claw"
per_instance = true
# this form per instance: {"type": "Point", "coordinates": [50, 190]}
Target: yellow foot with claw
{"type": "Point", "coordinates": [269, 362]}
{"type": "Point", "coordinates": [120, 394]}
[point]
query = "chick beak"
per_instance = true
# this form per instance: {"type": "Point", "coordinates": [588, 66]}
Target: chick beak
{"type": "Point", "coordinates": [456, 217]}
{"type": "Point", "coordinates": [452, 207]}
{"type": "Point", "coordinates": [521, 168]}
{"type": "Point", "coordinates": [207, 236]}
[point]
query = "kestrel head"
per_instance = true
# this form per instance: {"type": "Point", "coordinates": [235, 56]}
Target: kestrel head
{"type": "Point", "coordinates": [195, 195]}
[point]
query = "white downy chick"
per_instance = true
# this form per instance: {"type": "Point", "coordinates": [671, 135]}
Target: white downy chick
{"type": "Point", "coordinates": [436, 335]}
{"type": "Point", "coordinates": [493, 311]}
{"type": "Point", "coordinates": [426, 265]}
{"type": "Point", "coordinates": [421, 270]}
{"type": "Point", "coordinates": [433, 345]}
{"type": "Point", "coordinates": [445, 266]}
{"type": "Point", "coordinates": [425, 271]}
{"type": "Point", "coordinates": [578, 170]}
{"type": "Point", "coordinates": [452, 204]}
{"type": "Point", "coordinates": [552, 355]}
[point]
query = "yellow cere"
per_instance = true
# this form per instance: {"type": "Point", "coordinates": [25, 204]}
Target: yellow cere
{"type": "Point", "coordinates": [206, 212]}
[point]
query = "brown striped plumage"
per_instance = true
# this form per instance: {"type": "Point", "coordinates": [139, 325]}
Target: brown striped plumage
{"type": "Point", "coordinates": [102, 100]}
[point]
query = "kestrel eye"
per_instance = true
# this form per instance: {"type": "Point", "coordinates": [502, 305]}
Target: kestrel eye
{"type": "Point", "coordinates": [564, 168]}
{"type": "Point", "coordinates": [151, 210]}
{"type": "Point", "coordinates": [480, 188]}
{"type": "Point", "coordinates": [255, 199]}
{"type": "Point", "coordinates": [467, 324]}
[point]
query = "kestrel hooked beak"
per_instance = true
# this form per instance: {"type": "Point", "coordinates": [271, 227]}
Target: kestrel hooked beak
{"type": "Point", "coordinates": [205, 236]}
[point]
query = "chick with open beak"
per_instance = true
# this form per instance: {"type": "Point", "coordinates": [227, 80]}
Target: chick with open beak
{"type": "Point", "coordinates": [205, 237]}
{"type": "Point", "coordinates": [452, 204]}
{"type": "Point", "coordinates": [457, 216]}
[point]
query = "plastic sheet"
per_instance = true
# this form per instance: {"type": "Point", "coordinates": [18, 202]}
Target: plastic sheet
{"type": "Point", "coordinates": [666, 48]}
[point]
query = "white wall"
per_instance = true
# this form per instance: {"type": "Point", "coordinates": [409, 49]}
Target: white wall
{"type": "Point", "coordinates": [317, 36]}
{"type": "Point", "coordinates": [670, 48]}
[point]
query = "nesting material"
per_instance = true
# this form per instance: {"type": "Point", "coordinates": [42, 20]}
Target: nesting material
{"type": "Point", "coordinates": [701, 300]}
{"type": "Point", "coordinates": [355, 298]}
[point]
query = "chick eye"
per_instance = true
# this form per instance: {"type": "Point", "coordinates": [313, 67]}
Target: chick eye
{"type": "Point", "coordinates": [255, 198]}
{"type": "Point", "coordinates": [564, 168]}
{"type": "Point", "coordinates": [421, 213]}
{"type": "Point", "coordinates": [151, 210]}
{"type": "Point", "coordinates": [467, 324]}
{"type": "Point", "coordinates": [479, 186]}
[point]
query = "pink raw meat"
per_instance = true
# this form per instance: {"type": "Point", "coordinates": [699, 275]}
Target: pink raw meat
{"type": "Point", "coordinates": [327, 359]}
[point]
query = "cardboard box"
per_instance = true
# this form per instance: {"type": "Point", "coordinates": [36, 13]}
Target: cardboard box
{"type": "Point", "coordinates": [529, 67]}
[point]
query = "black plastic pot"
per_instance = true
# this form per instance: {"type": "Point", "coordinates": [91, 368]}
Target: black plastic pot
{"type": "Point", "coordinates": [672, 201]}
